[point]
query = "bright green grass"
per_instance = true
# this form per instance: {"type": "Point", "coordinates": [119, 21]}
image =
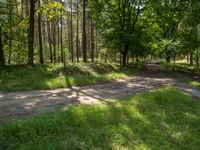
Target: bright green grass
{"type": "Point", "coordinates": [164, 119]}
{"type": "Point", "coordinates": [18, 78]}
{"type": "Point", "coordinates": [194, 83]}
{"type": "Point", "coordinates": [183, 67]}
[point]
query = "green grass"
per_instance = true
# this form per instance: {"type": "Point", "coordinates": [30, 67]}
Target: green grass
{"type": "Point", "coordinates": [194, 83]}
{"type": "Point", "coordinates": [182, 67]}
{"type": "Point", "coordinates": [23, 78]}
{"type": "Point", "coordinates": [163, 119]}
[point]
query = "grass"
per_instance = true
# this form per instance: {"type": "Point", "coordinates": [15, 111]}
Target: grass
{"type": "Point", "coordinates": [194, 83]}
{"type": "Point", "coordinates": [182, 67]}
{"type": "Point", "coordinates": [52, 76]}
{"type": "Point", "coordinates": [163, 119]}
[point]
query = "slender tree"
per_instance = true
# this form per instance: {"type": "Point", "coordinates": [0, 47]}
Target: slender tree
{"type": "Point", "coordinates": [49, 28]}
{"type": "Point", "coordinates": [2, 61]}
{"type": "Point", "coordinates": [72, 45]}
{"type": "Point", "coordinates": [77, 31]}
{"type": "Point", "coordinates": [31, 33]}
{"type": "Point", "coordinates": [40, 35]}
{"type": "Point", "coordinates": [84, 36]}
{"type": "Point", "coordinates": [92, 40]}
{"type": "Point", "coordinates": [61, 35]}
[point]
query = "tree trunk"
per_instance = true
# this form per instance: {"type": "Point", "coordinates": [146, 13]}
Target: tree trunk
{"type": "Point", "coordinates": [49, 27]}
{"type": "Point", "coordinates": [77, 32]}
{"type": "Point", "coordinates": [2, 61]}
{"type": "Point", "coordinates": [84, 36]}
{"type": "Point", "coordinates": [58, 37]}
{"type": "Point", "coordinates": [31, 34]}
{"type": "Point", "coordinates": [40, 35]}
{"type": "Point", "coordinates": [54, 40]}
{"type": "Point", "coordinates": [191, 58]}
{"type": "Point", "coordinates": [124, 55]}
{"type": "Point", "coordinates": [61, 38]}
{"type": "Point", "coordinates": [92, 40]}
{"type": "Point", "coordinates": [72, 44]}
{"type": "Point", "coordinates": [10, 31]}
{"type": "Point", "coordinates": [197, 58]}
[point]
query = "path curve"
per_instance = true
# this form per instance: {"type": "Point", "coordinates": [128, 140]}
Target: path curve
{"type": "Point", "coordinates": [20, 105]}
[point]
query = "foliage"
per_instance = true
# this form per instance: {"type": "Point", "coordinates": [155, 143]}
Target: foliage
{"type": "Point", "coordinates": [51, 76]}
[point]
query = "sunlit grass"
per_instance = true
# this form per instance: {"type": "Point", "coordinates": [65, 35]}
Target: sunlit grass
{"type": "Point", "coordinates": [194, 83]}
{"type": "Point", "coordinates": [53, 76]}
{"type": "Point", "coordinates": [181, 67]}
{"type": "Point", "coordinates": [163, 119]}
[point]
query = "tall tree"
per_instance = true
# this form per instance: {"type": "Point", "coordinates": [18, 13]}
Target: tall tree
{"type": "Point", "coordinates": [49, 28]}
{"type": "Point", "coordinates": [71, 26]}
{"type": "Point", "coordinates": [2, 61]}
{"type": "Point", "coordinates": [77, 30]}
{"type": "Point", "coordinates": [92, 40]}
{"type": "Point", "coordinates": [61, 34]}
{"type": "Point", "coordinates": [40, 35]}
{"type": "Point", "coordinates": [31, 33]}
{"type": "Point", "coordinates": [84, 36]}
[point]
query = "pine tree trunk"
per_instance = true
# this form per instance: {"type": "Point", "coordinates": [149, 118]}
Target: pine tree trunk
{"type": "Point", "coordinates": [54, 40]}
{"type": "Point", "coordinates": [72, 44]}
{"type": "Point", "coordinates": [49, 27]}
{"type": "Point", "coordinates": [77, 33]}
{"type": "Point", "coordinates": [92, 40]}
{"type": "Point", "coordinates": [84, 36]}
{"type": "Point", "coordinates": [31, 34]}
{"type": "Point", "coordinates": [191, 58]}
{"type": "Point", "coordinates": [61, 38]}
{"type": "Point", "coordinates": [40, 35]}
{"type": "Point", "coordinates": [2, 61]}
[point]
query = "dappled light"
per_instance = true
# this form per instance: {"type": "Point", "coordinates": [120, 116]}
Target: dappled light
{"type": "Point", "coordinates": [99, 74]}
{"type": "Point", "coordinates": [166, 122]}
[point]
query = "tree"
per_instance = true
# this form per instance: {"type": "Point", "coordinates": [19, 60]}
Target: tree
{"type": "Point", "coordinates": [40, 34]}
{"type": "Point", "coordinates": [31, 33]}
{"type": "Point", "coordinates": [84, 36]}
{"type": "Point", "coordinates": [2, 61]}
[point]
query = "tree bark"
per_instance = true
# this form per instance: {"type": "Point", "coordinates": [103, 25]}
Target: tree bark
{"type": "Point", "coordinates": [2, 61]}
{"type": "Point", "coordinates": [77, 32]}
{"type": "Point", "coordinates": [61, 38]}
{"type": "Point", "coordinates": [10, 31]}
{"type": "Point", "coordinates": [50, 41]}
{"type": "Point", "coordinates": [31, 33]}
{"type": "Point", "coordinates": [84, 36]}
{"type": "Point", "coordinates": [191, 58]}
{"type": "Point", "coordinates": [72, 44]}
{"type": "Point", "coordinates": [124, 55]}
{"type": "Point", "coordinates": [92, 40]}
{"type": "Point", "coordinates": [40, 35]}
{"type": "Point", "coordinates": [54, 39]}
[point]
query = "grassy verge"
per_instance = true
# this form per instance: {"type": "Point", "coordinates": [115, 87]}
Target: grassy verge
{"type": "Point", "coordinates": [182, 67]}
{"type": "Point", "coordinates": [21, 78]}
{"type": "Point", "coordinates": [164, 119]}
{"type": "Point", "coordinates": [194, 83]}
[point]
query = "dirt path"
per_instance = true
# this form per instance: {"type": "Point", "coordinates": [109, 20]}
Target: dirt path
{"type": "Point", "coordinates": [16, 105]}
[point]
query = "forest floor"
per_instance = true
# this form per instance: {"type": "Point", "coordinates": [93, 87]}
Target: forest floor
{"type": "Point", "coordinates": [154, 76]}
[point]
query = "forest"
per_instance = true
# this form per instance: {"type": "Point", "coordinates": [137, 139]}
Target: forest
{"type": "Point", "coordinates": [99, 74]}
{"type": "Point", "coordinates": [50, 31]}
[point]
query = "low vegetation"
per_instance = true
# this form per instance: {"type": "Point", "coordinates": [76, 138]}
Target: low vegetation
{"type": "Point", "coordinates": [51, 76]}
{"type": "Point", "coordinates": [182, 67]}
{"type": "Point", "coordinates": [194, 83]}
{"type": "Point", "coordinates": [163, 119]}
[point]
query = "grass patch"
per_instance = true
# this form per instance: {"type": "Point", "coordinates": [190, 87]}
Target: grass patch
{"type": "Point", "coordinates": [23, 78]}
{"type": "Point", "coordinates": [194, 83]}
{"type": "Point", "coordinates": [163, 119]}
{"type": "Point", "coordinates": [182, 67]}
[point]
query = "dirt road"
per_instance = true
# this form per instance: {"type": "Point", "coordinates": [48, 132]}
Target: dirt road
{"type": "Point", "coordinates": [20, 105]}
